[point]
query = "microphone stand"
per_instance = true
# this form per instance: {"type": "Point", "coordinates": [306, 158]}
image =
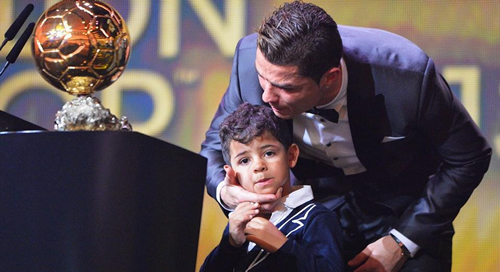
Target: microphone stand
{"type": "Point", "coordinates": [18, 47]}
{"type": "Point", "coordinates": [12, 32]}
{"type": "Point", "coordinates": [16, 25]}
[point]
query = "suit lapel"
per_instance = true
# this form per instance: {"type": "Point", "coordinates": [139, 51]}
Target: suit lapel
{"type": "Point", "coordinates": [368, 119]}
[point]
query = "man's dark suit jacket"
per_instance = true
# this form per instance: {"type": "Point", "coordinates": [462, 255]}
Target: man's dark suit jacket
{"type": "Point", "coordinates": [411, 133]}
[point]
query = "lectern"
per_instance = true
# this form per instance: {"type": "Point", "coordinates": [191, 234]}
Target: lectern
{"type": "Point", "coordinates": [98, 201]}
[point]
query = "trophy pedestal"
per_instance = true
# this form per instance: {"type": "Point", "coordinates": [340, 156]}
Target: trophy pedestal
{"type": "Point", "coordinates": [87, 113]}
{"type": "Point", "coordinates": [98, 201]}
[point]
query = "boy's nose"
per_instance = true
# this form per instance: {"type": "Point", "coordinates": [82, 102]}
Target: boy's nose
{"type": "Point", "coordinates": [259, 167]}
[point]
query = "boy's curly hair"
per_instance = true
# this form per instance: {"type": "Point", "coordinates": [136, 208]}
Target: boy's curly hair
{"type": "Point", "coordinates": [250, 121]}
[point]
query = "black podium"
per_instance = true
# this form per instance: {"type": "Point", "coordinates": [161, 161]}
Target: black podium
{"type": "Point", "coordinates": [98, 201]}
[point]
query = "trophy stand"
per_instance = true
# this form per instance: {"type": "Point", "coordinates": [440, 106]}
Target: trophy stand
{"type": "Point", "coordinates": [87, 113]}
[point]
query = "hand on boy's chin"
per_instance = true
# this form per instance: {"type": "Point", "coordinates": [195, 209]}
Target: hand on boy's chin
{"type": "Point", "coordinates": [268, 207]}
{"type": "Point", "coordinates": [233, 193]}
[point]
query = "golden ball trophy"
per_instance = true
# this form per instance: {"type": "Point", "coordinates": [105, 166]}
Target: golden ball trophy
{"type": "Point", "coordinates": [80, 47]}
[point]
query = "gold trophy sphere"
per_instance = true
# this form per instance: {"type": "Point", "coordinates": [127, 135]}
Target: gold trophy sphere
{"type": "Point", "coordinates": [81, 46]}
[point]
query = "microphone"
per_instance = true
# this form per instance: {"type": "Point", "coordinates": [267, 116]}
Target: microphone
{"type": "Point", "coordinates": [16, 50]}
{"type": "Point", "coordinates": [14, 28]}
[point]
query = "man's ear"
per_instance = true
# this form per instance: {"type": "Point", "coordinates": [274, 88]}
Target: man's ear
{"type": "Point", "coordinates": [330, 77]}
{"type": "Point", "coordinates": [293, 155]}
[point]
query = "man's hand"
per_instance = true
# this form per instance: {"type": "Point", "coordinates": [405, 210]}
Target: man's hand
{"type": "Point", "coordinates": [238, 219]}
{"type": "Point", "coordinates": [262, 232]}
{"type": "Point", "coordinates": [381, 255]}
{"type": "Point", "coordinates": [233, 194]}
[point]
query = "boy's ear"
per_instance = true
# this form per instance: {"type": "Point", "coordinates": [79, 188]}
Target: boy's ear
{"type": "Point", "coordinates": [293, 155]}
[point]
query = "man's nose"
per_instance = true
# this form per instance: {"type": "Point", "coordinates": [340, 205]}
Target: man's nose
{"type": "Point", "coordinates": [269, 95]}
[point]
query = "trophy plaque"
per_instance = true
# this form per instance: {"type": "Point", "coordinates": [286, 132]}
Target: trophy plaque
{"type": "Point", "coordinates": [81, 47]}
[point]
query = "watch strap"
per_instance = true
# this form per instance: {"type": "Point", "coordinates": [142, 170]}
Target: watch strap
{"type": "Point", "coordinates": [404, 250]}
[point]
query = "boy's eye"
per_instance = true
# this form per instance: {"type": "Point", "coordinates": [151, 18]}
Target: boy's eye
{"type": "Point", "coordinates": [269, 153]}
{"type": "Point", "coordinates": [244, 161]}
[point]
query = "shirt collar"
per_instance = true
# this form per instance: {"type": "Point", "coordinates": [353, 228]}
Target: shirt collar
{"type": "Point", "coordinates": [340, 99]}
{"type": "Point", "coordinates": [298, 197]}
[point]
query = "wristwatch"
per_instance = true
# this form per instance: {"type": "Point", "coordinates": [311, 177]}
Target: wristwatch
{"type": "Point", "coordinates": [404, 250]}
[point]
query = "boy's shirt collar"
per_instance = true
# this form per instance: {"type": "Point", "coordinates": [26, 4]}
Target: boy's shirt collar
{"type": "Point", "coordinates": [297, 197]}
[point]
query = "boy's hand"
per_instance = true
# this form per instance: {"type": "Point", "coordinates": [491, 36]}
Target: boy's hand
{"type": "Point", "coordinates": [262, 232]}
{"type": "Point", "coordinates": [233, 194]}
{"type": "Point", "coordinates": [243, 213]}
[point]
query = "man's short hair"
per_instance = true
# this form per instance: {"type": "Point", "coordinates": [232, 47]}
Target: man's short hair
{"type": "Point", "coordinates": [302, 35]}
{"type": "Point", "coordinates": [251, 121]}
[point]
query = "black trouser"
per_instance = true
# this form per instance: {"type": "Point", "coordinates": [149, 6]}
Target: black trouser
{"type": "Point", "coordinates": [364, 222]}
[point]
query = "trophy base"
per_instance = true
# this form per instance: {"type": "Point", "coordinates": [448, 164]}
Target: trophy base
{"type": "Point", "coordinates": [87, 113]}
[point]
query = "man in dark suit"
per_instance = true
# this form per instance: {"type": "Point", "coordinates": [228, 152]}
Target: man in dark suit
{"type": "Point", "coordinates": [385, 142]}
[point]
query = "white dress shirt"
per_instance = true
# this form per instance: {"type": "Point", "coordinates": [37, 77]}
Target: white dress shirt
{"type": "Point", "coordinates": [329, 142]}
{"type": "Point", "coordinates": [332, 144]}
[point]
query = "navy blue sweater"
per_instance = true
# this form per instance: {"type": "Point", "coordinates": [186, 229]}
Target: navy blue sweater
{"type": "Point", "coordinates": [314, 244]}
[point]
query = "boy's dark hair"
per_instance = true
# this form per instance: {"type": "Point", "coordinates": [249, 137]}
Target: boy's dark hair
{"type": "Point", "coordinates": [248, 122]}
{"type": "Point", "coordinates": [302, 35]}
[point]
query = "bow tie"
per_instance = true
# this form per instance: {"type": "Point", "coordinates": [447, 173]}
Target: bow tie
{"type": "Point", "coordinates": [329, 114]}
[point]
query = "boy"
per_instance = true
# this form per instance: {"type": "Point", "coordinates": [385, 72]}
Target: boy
{"type": "Point", "coordinates": [299, 234]}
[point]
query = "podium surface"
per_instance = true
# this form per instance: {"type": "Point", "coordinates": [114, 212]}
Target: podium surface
{"type": "Point", "coordinates": [98, 201]}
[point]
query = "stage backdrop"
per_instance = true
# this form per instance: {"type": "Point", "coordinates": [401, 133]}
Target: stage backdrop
{"type": "Point", "coordinates": [181, 60]}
